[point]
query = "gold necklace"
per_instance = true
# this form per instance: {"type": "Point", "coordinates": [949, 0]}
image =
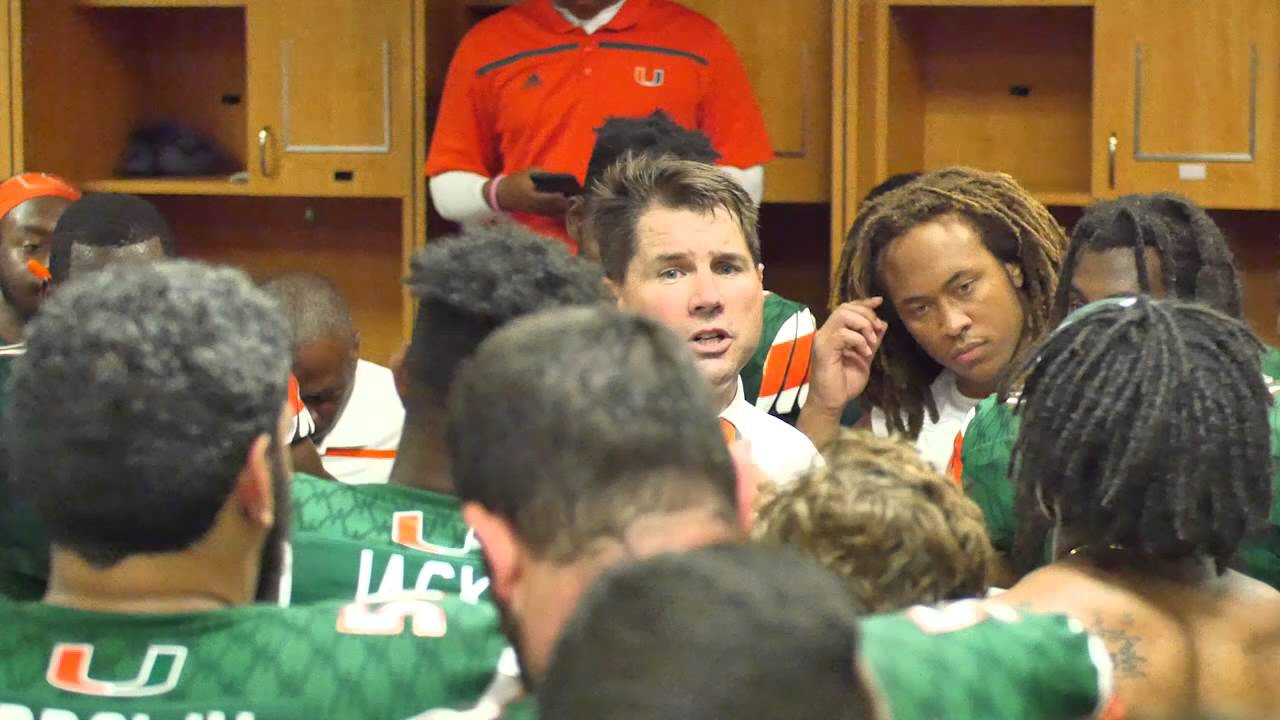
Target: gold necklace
{"type": "Point", "coordinates": [1114, 547]}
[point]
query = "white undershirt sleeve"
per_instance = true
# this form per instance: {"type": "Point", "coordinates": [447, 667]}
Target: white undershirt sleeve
{"type": "Point", "coordinates": [751, 178]}
{"type": "Point", "coordinates": [459, 196]}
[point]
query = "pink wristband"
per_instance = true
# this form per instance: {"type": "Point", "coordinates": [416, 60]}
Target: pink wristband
{"type": "Point", "coordinates": [493, 191]}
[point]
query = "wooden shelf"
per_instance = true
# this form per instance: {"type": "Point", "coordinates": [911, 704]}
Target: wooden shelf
{"type": "Point", "coordinates": [161, 3]}
{"type": "Point", "coordinates": [1070, 199]}
{"type": "Point", "coordinates": [992, 3]}
{"type": "Point", "coordinates": [169, 186]}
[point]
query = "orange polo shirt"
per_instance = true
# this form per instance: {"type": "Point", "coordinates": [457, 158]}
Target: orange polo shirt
{"type": "Point", "coordinates": [527, 88]}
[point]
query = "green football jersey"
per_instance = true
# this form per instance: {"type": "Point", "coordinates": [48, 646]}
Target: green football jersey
{"type": "Point", "coordinates": [361, 541]}
{"type": "Point", "coordinates": [776, 378]}
{"type": "Point", "coordinates": [413, 656]}
{"type": "Point", "coordinates": [1271, 363]}
{"type": "Point", "coordinates": [24, 555]}
{"type": "Point", "coordinates": [988, 449]}
{"type": "Point", "coordinates": [980, 661]}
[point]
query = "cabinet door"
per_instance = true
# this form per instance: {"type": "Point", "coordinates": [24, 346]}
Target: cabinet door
{"type": "Point", "coordinates": [331, 96]}
{"type": "Point", "coordinates": [6, 101]}
{"type": "Point", "coordinates": [1184, 99]}
{"type": "Point", "coordinates": [786, 47]}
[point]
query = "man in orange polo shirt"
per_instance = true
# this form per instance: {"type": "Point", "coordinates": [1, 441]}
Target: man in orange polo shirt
{"type": "Point", "coordinates": [528, 86]}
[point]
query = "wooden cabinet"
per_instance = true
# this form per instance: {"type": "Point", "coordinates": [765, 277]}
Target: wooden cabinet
{"type": "Point", "coordinates": [1185, 99]}
{"type": "Point", "coordinates": [339, 86]}
{"type": "Point", "coordinates": [307, 97]}
{"type": "Point", "coordinates": [6, 124]}
{"type": "Point", "coordinates": [331, 83]}
{"type": "Point", "coordinates": [786, 47]}
{"type": "Point", "coordinates": [1077, 99]}
{"type": "Point", "coordinates": [1001, 86]}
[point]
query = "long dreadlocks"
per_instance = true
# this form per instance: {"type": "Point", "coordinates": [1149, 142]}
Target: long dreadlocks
{"type": "Point", "coordinates": [1195, 260]}
{"type": "Point", "coordinates": [1014, 226]}
{"type": "Point", "coordinates": [1145, 424]}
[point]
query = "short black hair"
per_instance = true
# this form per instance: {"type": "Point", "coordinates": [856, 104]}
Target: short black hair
{"type": "Point", "coordinates": [470, 284]}
{"type": "Point", "coordinates": [1196, 263]}
{"type": "Point", "coordinates": [107, 220]}
{"type": "Point", "coordinates": [313, 306]}
{"type": "Point", "coordinates": [133, 410]}
{"type": "Point", "coordinates": [735, 631]}
{"type": "Point", "coordinates": [650, 135]}
{"type": "Point", "coordinates": [1145, 424]}
{"type": "Point", "coordinates": [572, 423]}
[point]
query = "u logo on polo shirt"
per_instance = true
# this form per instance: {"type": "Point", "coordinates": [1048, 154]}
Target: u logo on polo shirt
{"type": "Point", "coordinates": [646, 79]}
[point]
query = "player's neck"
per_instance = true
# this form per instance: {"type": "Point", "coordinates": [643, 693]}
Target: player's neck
{"type": "Point", "coordinates": [725, 393]}
{"type": "Point", "coordinates": [11, 324]}
{"type": "Point", "coordinates": [1078, 547]}
{"type": "Point", "coordinates": [554, 587]}
{"type": "Point", "coordinates": [422, 461]}
{"type": "Point", "coordinates": [219, 570]}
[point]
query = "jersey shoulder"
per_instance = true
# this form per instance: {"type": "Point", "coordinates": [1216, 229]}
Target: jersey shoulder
{"type": "Point", "coordinates": [986, 456]}
{"type": "Point", "coordinates": [776, 377]}
{"type": "Point", "coordinates": [974, 659]}
{"type": "Point", "coordinates": [326, 660]}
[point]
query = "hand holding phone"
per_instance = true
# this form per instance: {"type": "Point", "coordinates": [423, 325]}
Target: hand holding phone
{"type": "Point", "coordinates": [562, 183]}
{"type": "Point", "coordinates": [518, 193]}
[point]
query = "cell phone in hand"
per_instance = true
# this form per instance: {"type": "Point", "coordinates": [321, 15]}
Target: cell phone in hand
{"type": "Point", "coordinates": [562, 183]}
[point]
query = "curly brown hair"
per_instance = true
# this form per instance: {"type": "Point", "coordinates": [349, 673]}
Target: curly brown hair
{"type": "Point", "coordinates": [879, 516]}
{"type": "Point", "coordinates": [1014, 226]}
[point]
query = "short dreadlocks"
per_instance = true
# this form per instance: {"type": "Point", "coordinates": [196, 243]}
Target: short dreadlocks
{"type": "Point", "coordinates": [1145, 423]}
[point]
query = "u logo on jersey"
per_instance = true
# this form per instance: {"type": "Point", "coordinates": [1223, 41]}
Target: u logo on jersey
{"type": "Point", "coordinates": [406, 530]}
{"type": "Point", "coordinates": [69, 671]}
{"type": "Point", "coordinates": [647, 79]}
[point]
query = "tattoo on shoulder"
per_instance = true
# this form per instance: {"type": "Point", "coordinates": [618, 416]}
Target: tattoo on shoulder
{"type": "Point", "coordinates": [1123, 644]}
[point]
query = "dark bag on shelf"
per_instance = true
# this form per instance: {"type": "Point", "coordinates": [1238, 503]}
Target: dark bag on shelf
{"type": "Point", "coordinates": [168, 149]}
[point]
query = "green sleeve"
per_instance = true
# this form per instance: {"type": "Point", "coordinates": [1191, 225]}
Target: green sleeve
{"type": "Point", "coordinates": [961, 662]}
{"type": "Point", "coordinates": [1271, 363]}
{"type": "Point", "coordinates": [786, 339]}
{"type": "Point", "coordinates": [24, 551]}
{"type": "Point", "coordinates": [988, 447]}
{"type": "Point", "coordinates": [1260, 556]}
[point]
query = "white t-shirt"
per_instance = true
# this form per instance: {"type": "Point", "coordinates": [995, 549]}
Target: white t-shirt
{"type": "Point", "coordinates": [361, 447]}
{"type": "Point", "coordinates": [937, 440]}
{"type": "Point", "coordinates": [779, 450]}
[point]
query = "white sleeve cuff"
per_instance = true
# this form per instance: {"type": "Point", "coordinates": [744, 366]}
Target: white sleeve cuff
{"type": "Point", "coordinates": [751, 178]}
{"type": "Point", "coordinates": [459, 196]}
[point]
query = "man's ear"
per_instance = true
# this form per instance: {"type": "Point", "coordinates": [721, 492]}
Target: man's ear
{"type": "Point", "coordinates": [751, 481]}
{"type": "Point", "coordinates": [1015, 274]}
{"type": "Point", "coordinates": [355, 345]}
{"type": "Point", "coordinates": [760, 272]}
{"type": "Point", "coordinates": [573, 218]}
{"type": "Point", "coordinates": [253, 486]}
{"type": "Point", "coordinates": [501, 548]}
{"type": "Point", "coordinates": [616, 291]}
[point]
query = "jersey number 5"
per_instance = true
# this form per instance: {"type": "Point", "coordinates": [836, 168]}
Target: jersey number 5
{"type": "Point", "coordinates": [427, 619]}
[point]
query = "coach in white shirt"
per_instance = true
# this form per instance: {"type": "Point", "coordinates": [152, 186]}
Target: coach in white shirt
{"type": "Point", "coordinates": [678, 242]}
{"type": "Point", "coordinates": [357, 411]}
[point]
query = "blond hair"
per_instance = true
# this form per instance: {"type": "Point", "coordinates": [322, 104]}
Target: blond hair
{"type": "Point", "coordinates": [883, 519]}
